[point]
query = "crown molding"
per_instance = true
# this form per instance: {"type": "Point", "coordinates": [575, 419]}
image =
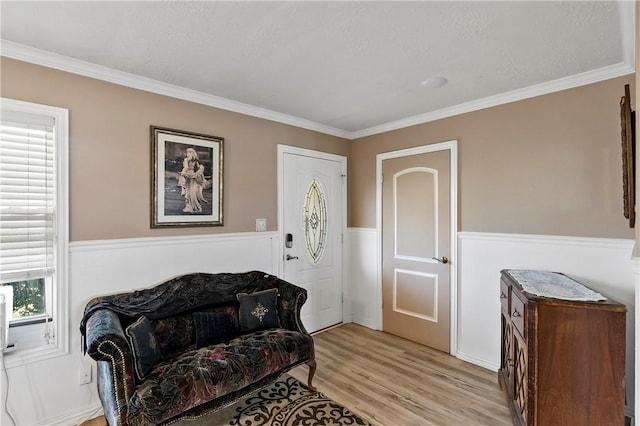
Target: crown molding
{"type": "Point", "coordinates": [87, 69]}
{"type": "Point", "coordinates": [627, 13]}
{"type": "Point", "coordinates": [24, 53]}
{"type": "Point", "coordinates": [570, 82]}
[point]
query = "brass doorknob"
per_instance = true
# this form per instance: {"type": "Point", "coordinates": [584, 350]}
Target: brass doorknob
{"type": "Point", "coordinates": [443, 259]}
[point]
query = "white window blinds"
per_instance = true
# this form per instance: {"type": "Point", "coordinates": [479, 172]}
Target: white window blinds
{"type": "Point", "coordinates": [27, 196]}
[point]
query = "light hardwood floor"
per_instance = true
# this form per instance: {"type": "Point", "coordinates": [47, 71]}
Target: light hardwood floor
{"type": "Point", "coordinates": [391, 381]}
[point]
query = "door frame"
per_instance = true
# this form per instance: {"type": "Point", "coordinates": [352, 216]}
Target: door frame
{"type": "Point", "coordinates": [452, 147]}
{"type": "Point", "coordinates": [286, 149]}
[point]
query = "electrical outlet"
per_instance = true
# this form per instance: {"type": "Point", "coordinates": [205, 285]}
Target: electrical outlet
{"type": "Point", "coordinates": [84, 375]}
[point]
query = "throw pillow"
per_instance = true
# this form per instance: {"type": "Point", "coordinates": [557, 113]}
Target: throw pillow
{"type": "Point", "coordinates": [146, 352]}
{"type": "Point", "coordinates": [258, 310]}
{"type": "Point", "coordinates": [212, 328]}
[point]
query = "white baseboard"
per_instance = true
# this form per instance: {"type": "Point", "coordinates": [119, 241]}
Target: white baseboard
{"type": "Point", "coordinates": [76, 417]}
{"type": "Point", "coordinates": [367, 322]}
{"type": "Point", "coordinates": [477, 361]}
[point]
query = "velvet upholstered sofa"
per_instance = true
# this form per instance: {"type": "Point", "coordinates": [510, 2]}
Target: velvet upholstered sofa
{"type": "Point", "coordinates": [193, 344]}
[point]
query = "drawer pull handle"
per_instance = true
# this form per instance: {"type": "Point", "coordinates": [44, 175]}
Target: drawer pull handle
{"type": "Point", "coordinates": [516, 314]}
{"type": "Point", "coordinates": [502, 295]}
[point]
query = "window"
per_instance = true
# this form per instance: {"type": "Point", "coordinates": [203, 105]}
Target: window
{"type": "Point", "coordinates": [34, 228]}
{"type": "Point", "coordinates": [315, 221]}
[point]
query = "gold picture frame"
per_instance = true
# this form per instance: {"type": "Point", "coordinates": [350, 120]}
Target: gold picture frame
{"type": "Point", "coordinates": [187, 182]}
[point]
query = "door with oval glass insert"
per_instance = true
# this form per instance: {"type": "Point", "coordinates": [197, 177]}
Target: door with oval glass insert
{"type": "Point", "coordinates": [312, 216]}
{"type": "Point", "coordinates": [416, 247]}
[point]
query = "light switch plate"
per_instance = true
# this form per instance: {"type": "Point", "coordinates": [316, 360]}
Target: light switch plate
{"type": "Point", "coordinates": [261, 225]}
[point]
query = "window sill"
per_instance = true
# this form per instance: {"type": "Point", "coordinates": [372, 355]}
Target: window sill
{"type": "Point", "coordinates": [17, 356]}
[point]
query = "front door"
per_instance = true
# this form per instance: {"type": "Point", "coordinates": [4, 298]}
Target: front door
{"type": "Point", "coordinates": [312, 223]}
{"type": "Point", "coordinates": [416, 247]}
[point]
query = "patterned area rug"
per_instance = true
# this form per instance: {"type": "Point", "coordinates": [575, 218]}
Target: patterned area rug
{"type": "Point", "coordinates": [286, 402]}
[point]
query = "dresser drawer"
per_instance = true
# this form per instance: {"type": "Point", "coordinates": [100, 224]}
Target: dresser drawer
{"type": "Point", "coordinates": [505, 295]}
{"type": "Point", "coordinates": [518, 313]}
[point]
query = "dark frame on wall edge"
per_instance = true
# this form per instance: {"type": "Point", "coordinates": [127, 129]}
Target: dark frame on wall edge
{"type": "Point", "coordinates": [627, 123]}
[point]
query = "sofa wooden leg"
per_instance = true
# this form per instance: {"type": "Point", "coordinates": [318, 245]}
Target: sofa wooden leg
{"type": "Point", "coordinates": [312, 370]}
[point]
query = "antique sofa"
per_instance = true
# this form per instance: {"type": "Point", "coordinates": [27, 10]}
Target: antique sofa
{"type": "Point", "coordinates": [193, 344]}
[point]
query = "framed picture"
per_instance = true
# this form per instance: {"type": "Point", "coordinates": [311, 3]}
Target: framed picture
{"type": "Point", "coordinates": [187, 187]}
{"type": "Point", "coordinates": [627, 123]}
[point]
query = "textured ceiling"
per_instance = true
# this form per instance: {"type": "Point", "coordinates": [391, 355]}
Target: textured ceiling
{"type": "Point", "coordinates": [350, 66]}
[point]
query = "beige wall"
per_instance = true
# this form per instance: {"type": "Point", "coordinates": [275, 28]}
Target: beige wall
{"type": "Point", "coordinates": [546, 165]}
{"type": "Point", "coordinates": [110, 152]}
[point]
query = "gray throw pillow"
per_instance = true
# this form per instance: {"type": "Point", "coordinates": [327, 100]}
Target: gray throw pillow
{"type": "Point", "coordinates": [258, 310]}
{"type": "Point", "coordinates": [146, 352]}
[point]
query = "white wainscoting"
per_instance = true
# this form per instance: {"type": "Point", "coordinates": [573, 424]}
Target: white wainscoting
{"type": "Point", "coordinates": [48, 393]}
{"type": "Point", "coordinates": [604, 265]}
{"type": "Point", "coordinates": [636, 272]}
{"type": "Point", "coordinates": [362, 282]}
{"type": "Point", "coordinates": [141, 262]}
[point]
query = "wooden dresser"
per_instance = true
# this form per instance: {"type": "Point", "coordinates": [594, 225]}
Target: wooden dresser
{"type": "Point", "coordinates": [562, 361]}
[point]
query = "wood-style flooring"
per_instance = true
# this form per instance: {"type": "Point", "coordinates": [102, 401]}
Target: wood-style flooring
{"type": "Point", "coordinates": [391, 381]}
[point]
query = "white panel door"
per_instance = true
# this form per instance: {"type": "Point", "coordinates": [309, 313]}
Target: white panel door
{"type": "Point", "coordinates": [312, 215]}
